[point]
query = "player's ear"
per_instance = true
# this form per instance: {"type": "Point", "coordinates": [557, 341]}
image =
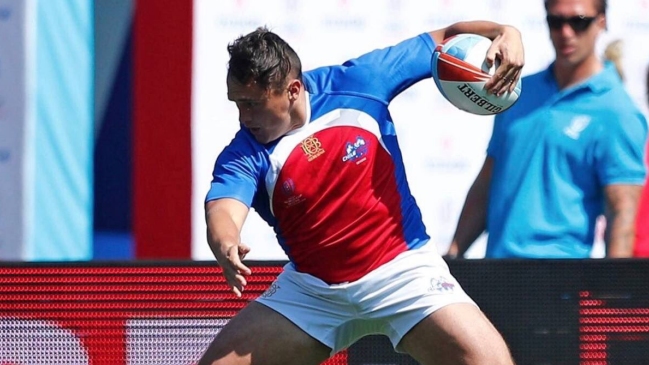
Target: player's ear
{"type": "Point", "coordinates": [294, 87]}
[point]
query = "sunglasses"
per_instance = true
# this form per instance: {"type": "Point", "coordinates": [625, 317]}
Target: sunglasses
{"type": "Point", "coordinates": [578, 23]}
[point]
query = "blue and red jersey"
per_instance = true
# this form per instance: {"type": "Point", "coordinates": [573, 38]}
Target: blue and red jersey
{"type": "Point", "coordinates": [335, 190]}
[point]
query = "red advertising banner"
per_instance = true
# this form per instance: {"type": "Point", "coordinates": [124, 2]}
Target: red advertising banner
{"type": "Point", "coordinates": [113, 315]}
{"type": "Point", "coordinates": [554, 312]}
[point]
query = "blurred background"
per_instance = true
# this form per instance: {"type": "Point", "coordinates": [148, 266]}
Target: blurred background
{"type": "Point", "coordinates": [112, 113]}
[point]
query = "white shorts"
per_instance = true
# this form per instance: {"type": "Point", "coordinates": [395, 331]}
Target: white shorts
{"type": "Point", "coordinates": [390, 300]}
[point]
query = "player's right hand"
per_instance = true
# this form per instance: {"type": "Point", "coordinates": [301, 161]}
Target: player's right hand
{"type": "Point", "coordinates": [508, 49]}
{"type": "Point", "coordinates": [234, 270]}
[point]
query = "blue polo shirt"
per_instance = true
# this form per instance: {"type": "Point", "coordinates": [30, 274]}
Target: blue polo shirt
{"type": "Point", "coordinates": [554, 151]}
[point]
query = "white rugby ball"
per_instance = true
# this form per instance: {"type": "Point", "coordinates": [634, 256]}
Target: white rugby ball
{"type": "Point", "coordinates": [460, 73]}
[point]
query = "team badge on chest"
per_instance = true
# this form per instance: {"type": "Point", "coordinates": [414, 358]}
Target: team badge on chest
{"type": "Point", "coordinates": [355, 151]}
{"type": "Point", "coordinates": [312, 148]}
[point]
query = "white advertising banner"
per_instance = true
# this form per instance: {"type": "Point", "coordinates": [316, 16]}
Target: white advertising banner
{"type": "Point", "coordinates": [196, 335]}
{"type": "Point", "coordinates": [46, 343]}
{"type": "Point", "coordinates": [12, 127]}
{"type": "Point", "coordinates": [443, 147]}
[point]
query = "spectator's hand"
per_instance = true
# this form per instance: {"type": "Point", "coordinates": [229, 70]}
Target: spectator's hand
{"type": "Point", "coordinates": [507, 53]}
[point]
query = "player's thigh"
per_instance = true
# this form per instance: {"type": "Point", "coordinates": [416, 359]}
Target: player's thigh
{"type": "Point", "coordinates": [258, 335]}
{"type": "Point", "coordinates": [457, 334]}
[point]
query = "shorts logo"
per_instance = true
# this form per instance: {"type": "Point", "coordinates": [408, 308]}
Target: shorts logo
{"type": "Point", "coordinates": [270, 291]}
{"type": "Point", "coordinates": [356, 151]}
{"type": "Point", "coordinates": [441, 285]}
{"type": "Point", "coordinates": [312, 148]}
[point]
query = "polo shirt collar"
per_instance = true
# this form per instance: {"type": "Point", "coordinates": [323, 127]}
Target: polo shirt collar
{"type": "Point", "coordinates": [599, 83]}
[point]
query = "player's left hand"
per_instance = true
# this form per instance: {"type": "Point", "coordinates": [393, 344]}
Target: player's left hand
{"type": "Point", "coordinates": [507, 53]}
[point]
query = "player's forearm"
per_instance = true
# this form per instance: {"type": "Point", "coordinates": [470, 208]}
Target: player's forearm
{"type": "Point", "coordinates": [222, 232]}
{"type": "Point", "coordinates": [488, 29]}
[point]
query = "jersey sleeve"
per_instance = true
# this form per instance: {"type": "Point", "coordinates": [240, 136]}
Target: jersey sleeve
{"type": "Point", "coordinates": [383, 73]}
{"type": "Point", "coordinates": [237, 172]}
{"type": "Point", "coordinates": [619, 154]}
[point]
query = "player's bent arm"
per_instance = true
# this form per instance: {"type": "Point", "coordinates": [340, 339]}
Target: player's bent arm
{"type": "Point", "coordinates": [485, 28]}
{"type": "Point", "coordinates": [224, 219]}
{"type": "Point", "coordinates": [621, 209]}
{"type": "Point", "coordinates": [473, 219]}
{"type": "Point", "coordinates": [507, 46]}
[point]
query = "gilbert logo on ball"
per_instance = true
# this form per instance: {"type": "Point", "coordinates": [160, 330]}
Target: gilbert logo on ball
{"type": "Point", "coordinates": [460, 73]}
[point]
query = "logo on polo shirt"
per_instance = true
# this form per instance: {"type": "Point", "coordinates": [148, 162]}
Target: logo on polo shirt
{"type": "Point", "coordinates": [577, 125]}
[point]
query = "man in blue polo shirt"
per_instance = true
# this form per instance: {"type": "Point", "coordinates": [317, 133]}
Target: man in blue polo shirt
{"type": "Point", "coordinates": [568, 151]}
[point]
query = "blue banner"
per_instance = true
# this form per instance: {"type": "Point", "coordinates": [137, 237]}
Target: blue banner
{"type": "Point", "coordinates": [63, 137]}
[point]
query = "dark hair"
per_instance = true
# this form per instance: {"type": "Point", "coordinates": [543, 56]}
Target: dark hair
{"type": "Point", "coordinates": [601, 5]}
{"type": "Point", "coordinates": [263, 57]}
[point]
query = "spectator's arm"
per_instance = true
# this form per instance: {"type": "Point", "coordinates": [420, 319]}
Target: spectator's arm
{"type": "Point", "coordinates": [473, 219]}
{"type": "Point", "coordinates": [621, 209]}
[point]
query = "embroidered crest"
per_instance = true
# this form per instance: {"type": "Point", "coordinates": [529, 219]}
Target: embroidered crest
{"type": "Point", "coordinates": [312, 148]}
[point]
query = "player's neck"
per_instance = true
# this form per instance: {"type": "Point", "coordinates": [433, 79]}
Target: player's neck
{"type": "Point", "coordinates": [568, 75]}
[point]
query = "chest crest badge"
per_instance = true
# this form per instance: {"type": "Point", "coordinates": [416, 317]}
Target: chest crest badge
{"type": "Point", "coordinates": [312, 148]}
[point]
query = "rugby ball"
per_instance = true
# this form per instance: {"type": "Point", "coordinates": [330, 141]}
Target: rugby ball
{"type": "Point", "coordinates": [460, 73]}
